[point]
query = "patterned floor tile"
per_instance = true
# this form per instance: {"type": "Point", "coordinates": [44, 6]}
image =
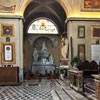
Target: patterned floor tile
{"type": "Point", "coordinates": [25, 91]}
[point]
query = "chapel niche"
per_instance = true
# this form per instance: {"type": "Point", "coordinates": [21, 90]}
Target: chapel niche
{"type": "Point", "coordinates": [43, 56]}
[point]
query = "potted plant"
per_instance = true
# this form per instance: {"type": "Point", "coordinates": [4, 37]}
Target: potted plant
{"type": "Point", "coordinates": [75, 62]}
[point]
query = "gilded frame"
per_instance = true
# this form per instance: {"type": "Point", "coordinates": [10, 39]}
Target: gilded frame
{"type": "Point", "coordinates": [81, 51]}
{"type": "Point", "coordinates": [81, 31]}
{"type": "Point", "coordinates": [7, 30]}
{"type": "Point", "coordinates": [95, 32]}
{"type": "Point", "coordinates": [8, 53]}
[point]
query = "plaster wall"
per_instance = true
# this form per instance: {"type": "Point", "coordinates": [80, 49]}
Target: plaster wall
{"type": "Point", "coordinates": [72, 27]}
{"type": "Point", "coordinates": [18, 40]}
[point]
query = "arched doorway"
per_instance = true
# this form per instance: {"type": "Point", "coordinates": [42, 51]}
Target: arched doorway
{"type": "Point", "coordinates": [51, 10]}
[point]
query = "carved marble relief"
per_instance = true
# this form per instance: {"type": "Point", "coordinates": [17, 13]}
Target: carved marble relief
{"type": "Point", "coordinates": [41, 53]}
{"type": "Point", "coordinates": [7, 9]}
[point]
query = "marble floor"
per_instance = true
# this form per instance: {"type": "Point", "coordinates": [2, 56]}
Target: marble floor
{"type": "Point", "coordinates": [40, 90]}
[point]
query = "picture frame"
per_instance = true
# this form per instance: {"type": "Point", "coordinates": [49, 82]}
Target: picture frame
{"type": "Point", "coordinates": [90, 5]}
{"type": "Point", "coordinates": [81, 31]}
{"type": "Point", "coordinates": [81, 52]}
{"type": "Point", "coordinates": [7, 39]}
{"type": "Point", "coordinates": [7, 30]}
{"type": "Point", "coordinates": [8, 54]}
{"type": "Point", "coordinates": [95, 32]}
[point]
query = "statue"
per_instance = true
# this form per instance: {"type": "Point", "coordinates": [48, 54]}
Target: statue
{"type": "Point", "coordinates": [64, 48]}
{"type": "Point", "coordinates": [35, 55]}
{"type": "Point", "coordinates": [51, 59]}
{"type": "Point", "coordinates": [44, 48]}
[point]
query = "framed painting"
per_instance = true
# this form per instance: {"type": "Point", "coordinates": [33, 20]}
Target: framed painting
{"type": "Point", "coordinates": [81, 52]}
{"type": "Point", "coordinates": [81, 31]}
{"type": "Point", "coordinates": [95, 32]}
{"type": "Point", "coordinates": [90, 5]}
{"type": "Point", "coordinates": [8, 53]}
{"type": "Point", "coordinates": [7, 30]}
{"type": "Point", "coordinates": [7, 39]}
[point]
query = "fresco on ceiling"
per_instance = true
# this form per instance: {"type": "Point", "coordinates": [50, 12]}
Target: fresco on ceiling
{"type": "Point", "coordinates": [7, 9]}
{"type": "Point", "coordinates": [8, 2]}
{"type": "Point", "coordinates": [95, 4]}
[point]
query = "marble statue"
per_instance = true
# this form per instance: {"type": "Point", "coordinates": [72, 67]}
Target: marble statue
{"type": "Point", "coordinates": [42, 56]}
{"type": "Point", "coordinates": [35, 55]}
{"type": "Point", "coordinates": [44, 48]}
{"type": "Point", "coordinates": [64, 48]}
{"type": "Point", "coordinates": [51, 59]}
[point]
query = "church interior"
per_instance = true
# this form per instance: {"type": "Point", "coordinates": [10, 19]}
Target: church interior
{"type": "Point", "coordinates": [49, 49]}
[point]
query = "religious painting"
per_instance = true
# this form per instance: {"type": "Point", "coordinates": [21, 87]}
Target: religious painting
{"type": "Point", "coordinates": [7, 9]}
{"type": "Point", "coordinates": [95, 32]}
{"type": "Point", "coordinates": [81, 52]}
{"type": "Point", "coordinates": [8, 52]}
{"type": "Point", "coordinates": [7, 39]}
{"type": "Point", "coordinates": [81, 31]}
{"type": "Point", "coordinates": [7, 30]}
{"type": "Point", "coordinates": [91, 4]}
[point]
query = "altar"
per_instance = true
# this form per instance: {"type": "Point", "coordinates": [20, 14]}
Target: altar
{"type": "Point", "coordinates": [42, 68]}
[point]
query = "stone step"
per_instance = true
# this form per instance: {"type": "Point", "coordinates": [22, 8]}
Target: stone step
{"type": "Point", "coordinates": [62, 95]}
{"type": "Point", "coordinates": [69, 91]}
{"type": "Point", "coordinates": [55, 96]}
{"type": "Point", "coordinates": [73, 94]}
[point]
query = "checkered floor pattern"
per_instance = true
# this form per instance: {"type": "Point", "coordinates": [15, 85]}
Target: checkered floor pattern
{"type": "Point", "coordinates": [42, 91]}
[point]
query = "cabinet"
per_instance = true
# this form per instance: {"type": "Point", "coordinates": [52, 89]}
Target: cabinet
{"type": "Point", "coordinates": [9, 75]}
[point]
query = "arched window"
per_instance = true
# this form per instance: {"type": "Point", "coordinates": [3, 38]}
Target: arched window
{"type": "Point", "coordinates": [42, 26]}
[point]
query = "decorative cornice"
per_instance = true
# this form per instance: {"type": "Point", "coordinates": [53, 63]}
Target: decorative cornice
{"type": "Point", "coordinates": [11, 17]}
{"type": "Point", "coordinates": [81, 19]}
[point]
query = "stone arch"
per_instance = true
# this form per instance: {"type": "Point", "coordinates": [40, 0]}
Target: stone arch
{"type": "Point", "coordinates": [61, 2]}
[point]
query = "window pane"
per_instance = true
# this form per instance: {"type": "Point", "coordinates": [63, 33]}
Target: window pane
{"type": "Point", "coordinates": [43, 26]}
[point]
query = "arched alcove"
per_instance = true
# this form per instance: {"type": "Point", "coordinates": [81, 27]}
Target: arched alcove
{"type": "Point", "coordinates": [48, 9]}
{"type": "Point", "coordinates": [54, 12]}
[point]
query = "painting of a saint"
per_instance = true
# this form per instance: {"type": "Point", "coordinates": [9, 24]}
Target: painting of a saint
{"type": "Point", "coordinates": [92, 4]}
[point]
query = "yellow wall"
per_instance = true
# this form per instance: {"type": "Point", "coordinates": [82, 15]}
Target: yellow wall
{"type": "Point", "coordinates": [72, 26]}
